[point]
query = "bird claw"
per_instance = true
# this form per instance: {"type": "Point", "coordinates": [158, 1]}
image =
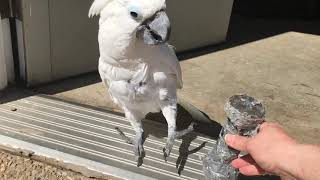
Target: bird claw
{"type": "Point", "coordinates": [167, 150]}
{"type": "Point", "coordinates": [190, 128]}
{"type": "Point", "coordinates": [169, 145]}
{"type": "Point", "coordinates": [139, 155]}
{"type": "Point", "coordinates": [123, 136]}
{"type": "Point", "coordinates": [138, 150]}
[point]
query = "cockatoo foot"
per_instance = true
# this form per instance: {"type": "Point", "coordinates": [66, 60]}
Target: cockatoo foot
{"type": "Point", "coordinates": [190, 128]}
{"type": "Point", "coordinates": [138, 149]}
{"type": "Point", "coordinates": [176, 135]}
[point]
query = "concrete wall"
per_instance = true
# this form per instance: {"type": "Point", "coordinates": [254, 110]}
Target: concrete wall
{"type": "Point", "coordinates": [198, 23]}
{"type": "Point", "coordinates": [56, 39]}
{"type": "Point", "coordinates": [8, 50]}
{"type": "Point", "coordinates": [61, 41]}
{"type": "Point", "coordinates": [35, 37]}
{"type": "Point", "coordinates": [74, 44]}
{"type": "Point", "coordinates": [5, 35]}
{"type": "Point", "coordinates": [3, 69]}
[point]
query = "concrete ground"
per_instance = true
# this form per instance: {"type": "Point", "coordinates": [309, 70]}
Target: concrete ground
{"type": "Point", "coordinates": [19, 168]}
{"type": "Point", "coordinates": [283, 71]}
{"type": "Point", "coordinates": [263, 58]}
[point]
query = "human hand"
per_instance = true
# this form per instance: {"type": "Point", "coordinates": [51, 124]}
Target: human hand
{"type": "Point", "coordinates": [270, 151]}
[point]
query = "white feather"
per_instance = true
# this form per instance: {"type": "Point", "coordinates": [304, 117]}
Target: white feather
{"type": "Point", "coordinates": [141, 78]}
{"type": "Point", "coordinates": [97, 6]}
{"type": "Point", "coordinates": [124, 59]}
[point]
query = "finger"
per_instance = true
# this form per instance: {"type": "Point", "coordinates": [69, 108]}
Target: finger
{"type": "Point", "coordinates": [243, 161]}
{"type": "Point", "coordinates": [252, 170]}
{"type": "Point", "coordinates": [237, 142]}
{"type": "Point", "coordinates": [267, 124]}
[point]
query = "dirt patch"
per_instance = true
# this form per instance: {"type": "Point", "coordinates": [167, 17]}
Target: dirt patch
{"type": "Point", "coordinates": [19, 168]}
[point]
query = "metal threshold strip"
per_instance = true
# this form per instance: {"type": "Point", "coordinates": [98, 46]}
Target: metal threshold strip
{"type": "Point", "coordinates": [78, 136]}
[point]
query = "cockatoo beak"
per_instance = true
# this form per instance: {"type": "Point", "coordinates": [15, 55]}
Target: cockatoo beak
{"type": "Point", "coordinates": [155, 30]}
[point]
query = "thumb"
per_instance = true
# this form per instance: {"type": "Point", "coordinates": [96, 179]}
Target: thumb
{"type": "Point", "coordinates": [237, 142]}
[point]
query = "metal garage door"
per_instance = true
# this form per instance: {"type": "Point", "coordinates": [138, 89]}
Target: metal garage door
{"type": "Point", "coordinates": [58, 40]}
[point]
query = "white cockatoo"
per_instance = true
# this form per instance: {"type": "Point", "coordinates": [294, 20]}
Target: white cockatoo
{"type": "Point", "coordinates": [139, 68]}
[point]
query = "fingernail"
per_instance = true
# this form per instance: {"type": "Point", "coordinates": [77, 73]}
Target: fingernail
{"type": "Point", "coordinates": [228, 138]}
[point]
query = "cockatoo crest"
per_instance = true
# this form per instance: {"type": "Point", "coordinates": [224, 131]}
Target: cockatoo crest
{"type": "Point", "coordinates": [97, 6]}
{"type": "Point", "coordinates": [147, 5]}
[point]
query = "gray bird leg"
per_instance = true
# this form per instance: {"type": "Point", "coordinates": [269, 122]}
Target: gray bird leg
{"type": "Point", "coordinates": [123, 136]}
{"type": "Point", "coordinates": [181, 133]}
{"type": "Point", "coordinates": [172, 135]}
{"type": "Point", "coordinates": [138, 148]}
{"type": "Point", "coordinates": [170, 113]}
{"type": "Point", "coordinates": [170, 141]}
{"type": "Point", "coordinates": [245, 114]}
{"type": "Point", "coordinates": [135, 120]}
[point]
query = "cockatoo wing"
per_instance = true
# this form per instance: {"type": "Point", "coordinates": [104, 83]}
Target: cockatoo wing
{"type": "Point", "coordinates": [172, 62]}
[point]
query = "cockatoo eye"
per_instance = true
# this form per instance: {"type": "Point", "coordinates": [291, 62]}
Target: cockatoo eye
{"type": "Point", "coordinates": [135, 12]}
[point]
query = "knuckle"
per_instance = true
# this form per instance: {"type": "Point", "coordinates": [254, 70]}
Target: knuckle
{"type": "Point", "coordinates": [250, 146]}
{"type": "Point", "coordinates": [269, 125]}
{"type": "Point", "coordinates": [276, 125]}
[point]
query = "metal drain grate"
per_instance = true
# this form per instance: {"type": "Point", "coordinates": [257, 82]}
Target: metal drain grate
{"type": "Point", "coordinates": [90, 134]}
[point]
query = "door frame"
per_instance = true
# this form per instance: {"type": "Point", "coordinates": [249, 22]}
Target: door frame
{"type": "Point", "coordinates": [3, 66]}
{"type": "Point", "coordinates": [33, 40]}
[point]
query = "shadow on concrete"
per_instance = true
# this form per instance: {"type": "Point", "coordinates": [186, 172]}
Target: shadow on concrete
{"type": "Point", "coordinates": [19, 91]}
{"type": "Point", "coordinates": [184, 151]}
{"type": "Point", "coordinates": [184, 119]}
{"type": "Point", "coordinates": [244, 29]}
{"type": "Point", "coordinates": [13, 94]}
{"type": "Point", "coordinates": [68, 84]}
{"type": "Point", "coordinates": [307, 9]}
{"type": "Point", "coordinates": [267, 177]}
